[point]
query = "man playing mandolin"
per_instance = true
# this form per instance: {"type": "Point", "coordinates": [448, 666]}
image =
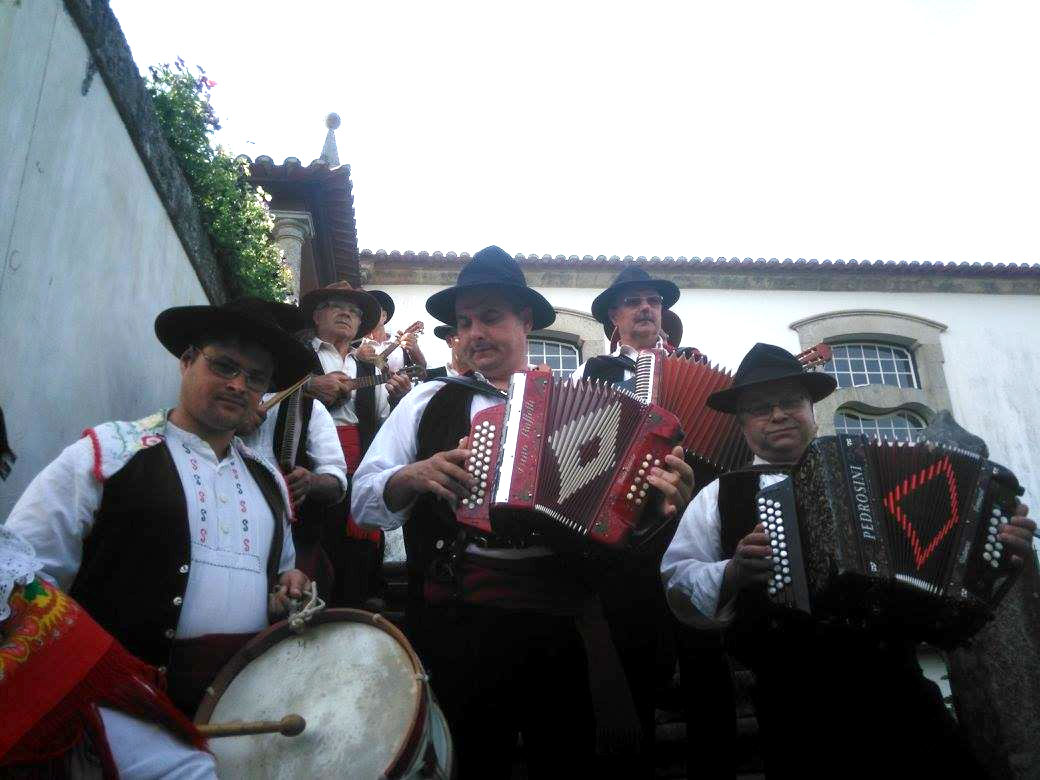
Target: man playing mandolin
{"type": "Point", "coordinates": [359, 401]}
{"type": "Point", "coordinates": [378, 345]}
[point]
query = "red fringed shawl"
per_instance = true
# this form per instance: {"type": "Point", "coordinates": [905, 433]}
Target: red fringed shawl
{"type": "Point", "coordinates": [56, 667]}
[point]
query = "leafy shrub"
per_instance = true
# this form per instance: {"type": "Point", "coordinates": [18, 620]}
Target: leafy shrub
{"type": "Point", "coordinates": [234, 212]}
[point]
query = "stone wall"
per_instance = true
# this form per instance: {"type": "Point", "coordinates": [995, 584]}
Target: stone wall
{"type": "Point", "coordinates": [98, 233]}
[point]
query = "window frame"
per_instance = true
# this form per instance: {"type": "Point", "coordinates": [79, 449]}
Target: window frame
{"type": "Point", "coordinates": [543, 338]}
{"type": "Point", "coordinates": [906, 353]}
{"type": "Point", "coordinates": [876, 417]}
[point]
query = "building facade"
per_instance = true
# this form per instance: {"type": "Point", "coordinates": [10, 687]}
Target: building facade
{"type": "Point", "coordinates": [909, 339]}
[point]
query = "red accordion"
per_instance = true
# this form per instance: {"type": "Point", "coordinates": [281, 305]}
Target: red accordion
{"type": "Point", "coordinates": [682, 385]}
{"type": "Point", "coordinates": [566, 460]}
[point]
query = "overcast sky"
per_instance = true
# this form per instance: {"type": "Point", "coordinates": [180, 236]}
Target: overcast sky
{"type": "Point", "coordinates": [873, 130]}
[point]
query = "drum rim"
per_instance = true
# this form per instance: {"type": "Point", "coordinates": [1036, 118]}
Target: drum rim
{"type": "Point", "coordinates": [405, 752]}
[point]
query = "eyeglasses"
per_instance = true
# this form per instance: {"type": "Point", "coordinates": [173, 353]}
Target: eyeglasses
{"type": "Point", "coordinates": [788, 405]}
{"type": "Point", "coordinates": [257, 381]}
{"type": "Point", "coordinates": [635, 301]}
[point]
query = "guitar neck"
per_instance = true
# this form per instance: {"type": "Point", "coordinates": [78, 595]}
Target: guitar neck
{"type": "Point", "coordinates": [377, 378]}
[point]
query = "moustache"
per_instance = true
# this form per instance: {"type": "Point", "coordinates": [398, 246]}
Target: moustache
{"type": "Point", "coordinates": [232, 400]}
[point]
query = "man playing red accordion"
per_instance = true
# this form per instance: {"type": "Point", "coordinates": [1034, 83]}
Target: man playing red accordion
{"type": "Point", "coordinates": [497, 621]}
{"type": "Point", "coordinates": [829, 702]}
{"type": "Point", "coordinates": [634, 311]}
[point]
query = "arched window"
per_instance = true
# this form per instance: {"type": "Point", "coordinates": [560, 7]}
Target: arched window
{"type": "Point", "coordinates": [562, 358]}
{"type": "Point", "coordinates": [868, 363]}
{"type": "Point", "coordinates": [897, 426]}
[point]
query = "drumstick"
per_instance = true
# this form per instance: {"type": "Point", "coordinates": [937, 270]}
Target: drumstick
{"type": "Point", "coordinates": [282, 395]}
{"type": "Point", "coordinates": [290, 726]}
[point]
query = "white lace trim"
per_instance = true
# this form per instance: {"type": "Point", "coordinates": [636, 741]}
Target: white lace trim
{"type": "Point", "coordinates": [18, 566]}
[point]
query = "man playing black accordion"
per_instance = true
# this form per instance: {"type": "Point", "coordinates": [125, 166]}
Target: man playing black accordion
{"type": "Point", "coordinates": [830, 700]}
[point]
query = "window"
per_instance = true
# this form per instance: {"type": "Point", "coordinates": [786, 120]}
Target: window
{"type": "Point", "coordinates": [561, 358]}
{"type": "Point", "coordinates": [865, 363]}
{"type": "Point", "coordinates": [897, 426]}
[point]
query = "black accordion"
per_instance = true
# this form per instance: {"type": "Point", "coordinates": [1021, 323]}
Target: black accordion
{"type": "Point", "coordinates": [896, 537]}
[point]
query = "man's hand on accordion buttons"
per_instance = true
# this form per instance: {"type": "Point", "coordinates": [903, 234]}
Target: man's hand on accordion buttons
{"type": "Point", "coordinates": [1017, 535]}
{"type": "Point", "coordinates": [750, 566]}
{"type": "Point", "coordinates": [675, 481]}
{"type": "Point", "coordinates": [443, 474]}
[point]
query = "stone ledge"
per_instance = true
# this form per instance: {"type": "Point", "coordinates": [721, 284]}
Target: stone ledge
{"type": "Point", "coordinates": [110, 54]}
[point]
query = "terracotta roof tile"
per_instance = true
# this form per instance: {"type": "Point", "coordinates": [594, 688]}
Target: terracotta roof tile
{"type": "Point", "coordinates": [732, 263]}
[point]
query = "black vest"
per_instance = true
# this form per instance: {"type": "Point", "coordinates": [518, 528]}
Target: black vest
{"type": "Point", "coordinates": [136, 557]}
{"type": "Point", "coordinates": [608, 368]}
{"type": "Point", "coordinates": [365, 407]}
{"type": "Point", "coordinates": [431, 526]}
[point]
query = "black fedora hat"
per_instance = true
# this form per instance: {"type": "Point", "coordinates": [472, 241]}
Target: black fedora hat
{"type": "Point", "coordinates": [444, 332]}
{"type": "Point", "coordinates": [491, 267]}
{"type": "Point", "coordinates": [386, 303]}
{"type": "Point", "coordinates": [342, 291]}
{"type": "Point", "coordinates": [765, 363]}
{"type": "Point", "coordinates": [631, 277]}
{"type": "Point", "coordinates": [248, 319]}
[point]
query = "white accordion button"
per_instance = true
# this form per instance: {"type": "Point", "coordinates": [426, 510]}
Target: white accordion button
{"type": "Point", "coordinates": [987, 557]}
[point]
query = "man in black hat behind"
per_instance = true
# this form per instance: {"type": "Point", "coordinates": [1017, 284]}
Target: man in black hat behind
{"type": "Point", "coordinates": [828, 702]}
{"type": "Point", "coordinates": [495, 619]}
{"type": "Point", "coordinates": [632, 311]}
{"type": "Point", "coordinates": [378, 339]}
{"type": "Point", "coordinates": [169, 531]}
{"type": "Point", "coordinates": [457, 365]}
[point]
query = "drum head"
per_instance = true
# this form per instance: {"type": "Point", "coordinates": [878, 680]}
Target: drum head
{"type": "Point", "coordinates": [351, 675]}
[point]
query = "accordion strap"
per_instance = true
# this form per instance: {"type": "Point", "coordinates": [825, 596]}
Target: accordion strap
{"type": "Point", "coordinates": [764, 468]}
{"type": "Point", "coordinates": [477, 385]}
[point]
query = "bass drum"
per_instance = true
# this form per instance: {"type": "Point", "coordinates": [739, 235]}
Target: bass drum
{"type": "Point", "coordinates": [358, 684]}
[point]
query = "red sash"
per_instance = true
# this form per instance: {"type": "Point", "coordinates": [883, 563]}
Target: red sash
{"type": "Point", "coordinates": [195, 663]}
{"type": "Point", "coordinates": [350, 441]}
{"type": "Point", "coordinates": [56, 667]}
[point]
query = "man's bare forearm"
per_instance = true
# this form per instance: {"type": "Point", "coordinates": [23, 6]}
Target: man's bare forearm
{"type": "Point", "coordinates": [398, 493]}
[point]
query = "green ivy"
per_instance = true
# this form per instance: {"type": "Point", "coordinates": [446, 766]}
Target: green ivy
{"type": "Point", "coordinates": [234, 212]}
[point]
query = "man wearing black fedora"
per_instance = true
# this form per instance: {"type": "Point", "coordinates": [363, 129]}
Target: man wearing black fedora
{"type": "Point", "coordinates": [170, 531]}
{"type": "Point", "coordinates": [495, 619]}
{"type": "Point", "coordinates": [632, 311]}
{"type": "Point", "coordinates": [378, 339]}
{"type": "Point", "coordinates": [829, 701]}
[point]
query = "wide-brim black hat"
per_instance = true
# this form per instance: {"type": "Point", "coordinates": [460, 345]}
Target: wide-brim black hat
{"type": "Point", "coordinates": [492, 268]}
{"type": "Point", "coordinates": [345, 292]}
{"type": "Point", "coordinates": [765, 363]}
{"type": "Point", "coordinates": [444, 332]}
{"type": "Point", "coordinates": [249, 320]}
{"type": "Point", "coordinates": [386, 303]}
{"type": "Point", "coordinates": [631, 277]}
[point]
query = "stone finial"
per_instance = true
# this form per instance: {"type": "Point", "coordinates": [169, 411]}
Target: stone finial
{"type": "Point", "coordinates": [329, 152]}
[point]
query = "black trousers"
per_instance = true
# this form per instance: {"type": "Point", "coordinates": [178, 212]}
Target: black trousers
{"type": "Point", "coordinates": [709, 706]}
{"type": "Point", "coordinates": [502, 674]}
{"type": "Point", "coordinates": [855, 710]}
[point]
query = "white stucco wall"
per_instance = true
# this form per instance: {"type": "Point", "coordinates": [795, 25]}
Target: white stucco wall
{"type": "Point", "coordinates": [88, 256]}
{"type": "Point", "coordinates": [990, 346]}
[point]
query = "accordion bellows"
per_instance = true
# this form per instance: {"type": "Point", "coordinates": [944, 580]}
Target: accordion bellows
{"type": "Point", "coordinates": [569, 460]}
{"type": "Point", "coordinates": [682, 386]}
{"type": "Point", "coordinates": [895, 536]}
